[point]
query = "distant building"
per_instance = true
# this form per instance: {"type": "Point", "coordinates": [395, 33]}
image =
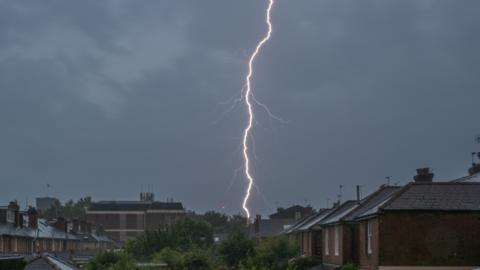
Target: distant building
{"type": "Point", "coordinates": [279, 221]}
{"type": "Point", "coordinates": [295, 212]}
{"type": "Point", "coordinates": [45, 203]}
{"type": "Point", "coordinates": [22, 232]}
{"type": "Point", "coordinates": [122, 220]}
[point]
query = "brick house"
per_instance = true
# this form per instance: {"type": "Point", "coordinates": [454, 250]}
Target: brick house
{"type": "Point", "coordinates": [308, 234]}
{"type": "Point", "coordinates": [432, 224]}
{"type": "Point", "coordinates": [337, 236]}
{"type": "Point", "coordinates": [22, 232]}
{"type": "Point", "coordinates": [122, 220]}
{"type": "Point", "coordinates": [363, 224]}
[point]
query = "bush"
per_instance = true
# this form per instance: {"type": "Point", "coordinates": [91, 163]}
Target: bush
{"type": "Point", "coordinates": [172, 258]}
{"type": "Point", "coordinates": [111, 260]}
{"type": "Point", "coordinates": [303, 263]}
{"type": "Point", "coordinates": [275, 253]}
{"type": "Point", "coordinates": [13, 264]}
{"type": "Point", "coordinates": [198, 259]}
{"type": "Point", "coordinates": [349, 266]}
{"type": "Point", "coordinates": [236, 248]}
{"type": "Point", "coordinates": [183, 235]}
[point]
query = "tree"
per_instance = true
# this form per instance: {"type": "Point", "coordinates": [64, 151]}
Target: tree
{"type": "Point", "coordinates": [111, 260]}
{"type": "Point", "coordinates": [275, 253]}
{"type": "Point", "coordinates": [198, 259]}
{"type": "Point", "coordinates": [236, 249]}
{"type": "Point", "coordinates": [182, 236]}
{"type": "Point", "coordinates": [217, 220]}
{"type": "Point", "coordinates": [171, 257]}
{"type": "Point", "coordinates": [71, 209]}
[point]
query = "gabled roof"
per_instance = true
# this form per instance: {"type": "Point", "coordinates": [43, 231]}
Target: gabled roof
{"type": "Point", "coordinates": [315, 220]}
{"type": "Point", "coordinates": [469, 178]}
{"type": "Point", "coordinates": [371, 203]}
{"type": "Point", "coordinates": [134, 206]}
{"type": "Point", "coordinates": [339, 212]}
{"type": "Point", "coordinates": [437, 196]}
{"type": "Point", "coordinates": [299, 223]}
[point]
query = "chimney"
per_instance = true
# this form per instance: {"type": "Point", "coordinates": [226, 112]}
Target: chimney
{"type": "Point", "coordinates": [358, 193]}
{"type": "Point", "coordinates": [61, 224]}
{"type": "Point", "coordinates": [13, 206]}
{"type": "Point", "coordinates": [32, 218]}
{"type": "Point", "coordinates": [423, 176]}
{"type": "Point", "coordinates": [474, 169]}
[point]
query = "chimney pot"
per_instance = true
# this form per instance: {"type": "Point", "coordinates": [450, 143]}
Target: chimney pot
{"type": "Point", "coordinates": [424, 175]}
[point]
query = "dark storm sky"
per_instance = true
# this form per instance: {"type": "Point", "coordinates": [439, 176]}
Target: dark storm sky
{"type": "Point", "coordinates": [101, 97]}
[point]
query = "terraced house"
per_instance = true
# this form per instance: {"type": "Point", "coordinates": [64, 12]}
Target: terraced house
{"type": "Point", "coordinates": [423, 225]}
{"type": "Point", "coordinates": [22, 232]}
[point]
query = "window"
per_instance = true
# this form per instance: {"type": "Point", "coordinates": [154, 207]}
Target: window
{"type": "Point", "coordinates": [369, 234]}
{"type": "Point", "coordinates": [337, 240]}
{"type": "Point", "coordinates": [10, 216]}
{"type": "Point", "coordinates": [327, 252]}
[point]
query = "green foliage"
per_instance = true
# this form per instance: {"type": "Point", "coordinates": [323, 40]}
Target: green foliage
{"type": "Point", "coordinates": [185, 234]}
{"type": "Point", "coordinates": [303, 263]}
{"type": "Point", "coordinates": [71, 209]}
{"type": "Point", "coordinates": [275, 253]}
{"type": "Point", "coordinates": [236, 249]}
{"type": "Point", "coordinates": [215, 219]}
{"type": "Point", "coordinates": [111, 260]}
{"type": "Point", "coordinates": [13, 264]}
{"type": "Point", "coordinates": [172, 258]}
{"type": "Point", "coordinates": [194, 259]}
{"type": "Point", "coordinates": [189, 232]}
{"type": "Point", "coordinates": [349, 266]}
{"type": "Point", "coordinates": [198, 259]}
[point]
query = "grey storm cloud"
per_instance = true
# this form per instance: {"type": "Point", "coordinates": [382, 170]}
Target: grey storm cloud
{"type": "Point", "coordinates": [101, 98]}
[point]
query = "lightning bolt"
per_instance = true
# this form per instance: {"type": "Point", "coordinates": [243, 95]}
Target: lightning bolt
{"type": "Point", "coordinates": [248, 98]}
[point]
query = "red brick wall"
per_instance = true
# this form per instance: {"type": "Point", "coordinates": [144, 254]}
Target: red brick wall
{"type": "Point", "coordinates": [366, 261]}
{"type": "Point", "coordinates": [344, 255]}
{"type": "Point", "coordinates": [429, 239]}
{"type": "Point", "coordinates": [107, 221]}
{"type": "Point", "coordinates": [318, 244]}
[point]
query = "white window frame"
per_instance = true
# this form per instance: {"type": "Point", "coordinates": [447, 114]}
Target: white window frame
{"type": "Point", "coordinates": [337, 240]}
{"type": "Point", "coordinates": [10, 216]}
{"type": "Point", "coordinates": [327, 251]}
{"type": "Point", "coordinates": [369, 237]}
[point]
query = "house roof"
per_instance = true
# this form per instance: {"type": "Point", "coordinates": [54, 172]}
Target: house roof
{"type": "Point", "coordinates": [469, 178]}
{"type": "Point", "coordinates": [339, 212]}
{"type": "Point", "coordinates": [315, 220]}
{"type": "Point", "coordinates": [291, 211]}
{"type": "Point", "coordinates": [134, 206]}
{"type": "Point", "coordinates": [299, 223]}
{"type": "Point", "coordinates": [270, 227]}
{"type": "Point", "coordinates": [437, 196]}
{"type": "Point", "coordinates": [371, 203]}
